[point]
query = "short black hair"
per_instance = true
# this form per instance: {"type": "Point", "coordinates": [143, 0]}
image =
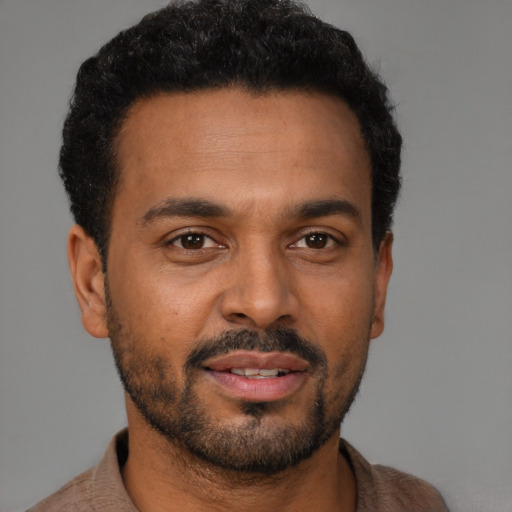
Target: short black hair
{"type": "Point", "coordinates": [259, 45]}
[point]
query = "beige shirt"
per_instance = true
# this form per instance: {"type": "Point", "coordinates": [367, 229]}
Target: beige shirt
{"type": "Point", "coordinates": [379, 488]}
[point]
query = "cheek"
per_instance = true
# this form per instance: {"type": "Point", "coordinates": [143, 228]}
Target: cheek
{"type": "Point", "coordinates": [340, 321]}
{"type": "Point", "coordinates": [160, 305]}
{"type": "Point", "coordinates": [346, 342]}
{"type": "Point", "coordinates": [342, 310]}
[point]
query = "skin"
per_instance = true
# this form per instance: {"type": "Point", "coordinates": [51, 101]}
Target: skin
{"type": "Point", "coordinates": [260, 158]}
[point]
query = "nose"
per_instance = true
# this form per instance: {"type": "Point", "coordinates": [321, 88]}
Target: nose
{"type": "Point", "coordinates": [259, 292]}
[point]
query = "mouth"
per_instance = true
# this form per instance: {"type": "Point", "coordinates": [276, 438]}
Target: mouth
{"type": "Point", "coordinates": [260, 373]}
{"type": "Point", "coordinates": [257, 376]}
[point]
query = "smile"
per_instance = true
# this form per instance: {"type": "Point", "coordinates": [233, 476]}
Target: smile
{"type": "Point", "coordinates": [261, 373]}
{"type": "Point", "coordinates": [257, 376]}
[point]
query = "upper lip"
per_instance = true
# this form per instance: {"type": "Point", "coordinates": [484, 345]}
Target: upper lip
{"type": "Point", "coordinates": [254, 359]}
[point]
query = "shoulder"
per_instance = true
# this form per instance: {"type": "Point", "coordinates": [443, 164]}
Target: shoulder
{"type": "Point", "coordinates": [401, 491]}
{"type": "Point", "coordinates": [384, 489]}
{"type": "Point", "coordinates": [99, 488]}
{"type": "Point", "coordinates": [74, 496]}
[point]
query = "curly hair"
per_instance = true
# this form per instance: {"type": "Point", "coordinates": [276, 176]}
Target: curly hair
{"type": "Point", "coordinates": [259, 45]}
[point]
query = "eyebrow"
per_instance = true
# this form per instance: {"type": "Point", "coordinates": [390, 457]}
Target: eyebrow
{"type": "Point", "coordinates": [184, 208]}
{"type": "Point", "coordinates": [191, 207]}
{"type": "Point", "coordinates": [326, 207]}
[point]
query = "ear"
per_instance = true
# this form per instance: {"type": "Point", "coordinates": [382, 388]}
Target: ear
{"type": "Point", "coordinates": [88, 281]}
{"type": "Point", "coordinates": [383, 269]}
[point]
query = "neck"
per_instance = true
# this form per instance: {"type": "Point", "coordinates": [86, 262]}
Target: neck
{"type": "Point", "coordinates": [158, 473]}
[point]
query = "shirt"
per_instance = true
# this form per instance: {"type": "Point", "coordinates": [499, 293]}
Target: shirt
{"type": "Point", "coordinates": [379, 488]}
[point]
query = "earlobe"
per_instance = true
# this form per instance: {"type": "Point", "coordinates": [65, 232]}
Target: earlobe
{"type": "Point", "coordinates": [383, 269]}
{"type": "Point", "coordinates": [88, 281]}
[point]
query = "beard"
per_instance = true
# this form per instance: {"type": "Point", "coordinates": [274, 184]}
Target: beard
{"type": "Point", "coordinates": [261, 444]}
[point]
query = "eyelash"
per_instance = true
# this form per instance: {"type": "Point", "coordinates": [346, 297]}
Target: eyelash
{"type": "Point", "coordinates": [182, 236]}
{"type": "Point", "coordinates": [323, 236]}
{"type": "Point", "coordinates": [330, 240]}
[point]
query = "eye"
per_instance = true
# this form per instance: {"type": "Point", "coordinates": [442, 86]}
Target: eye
{"type": "Point", "coordinates": [316, 241]}
{"type": "Point", "coordinates": [193, 241]}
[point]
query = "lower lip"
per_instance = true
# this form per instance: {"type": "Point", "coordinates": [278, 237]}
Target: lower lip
{"type": "Point", "coordinates": [258, 390]}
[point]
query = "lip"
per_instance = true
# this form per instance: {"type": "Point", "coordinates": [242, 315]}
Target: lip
{"type": "Point", "coordinates": [269, 389]}
{"type": "Point", "coordinates": [254, 359]}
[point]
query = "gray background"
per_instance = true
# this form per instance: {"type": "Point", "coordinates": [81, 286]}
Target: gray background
{"type": "Point", "coordinates": [437, 396]}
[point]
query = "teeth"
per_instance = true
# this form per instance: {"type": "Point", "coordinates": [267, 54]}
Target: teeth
{"type": "Point", "coordinates": [269, 373]}
{"type": "Point", "coordinates": [262, 373]}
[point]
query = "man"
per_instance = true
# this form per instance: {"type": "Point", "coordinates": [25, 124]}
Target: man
{"type": "Point", "coordinates": [232, 167]}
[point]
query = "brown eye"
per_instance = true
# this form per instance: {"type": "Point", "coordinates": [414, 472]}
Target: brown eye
{"type": "Point", "coordinates": [192, 241]}
{"type": "Point", "coordinates": [316, 240]}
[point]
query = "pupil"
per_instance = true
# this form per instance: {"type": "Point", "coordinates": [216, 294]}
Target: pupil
{"type": "Point", "coordinates": [316, 241]}
{"type": "Point", "coordinates": [192, 241]}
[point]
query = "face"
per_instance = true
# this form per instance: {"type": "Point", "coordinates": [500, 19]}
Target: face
{"type": "Point", "coordinates": [243, 287]}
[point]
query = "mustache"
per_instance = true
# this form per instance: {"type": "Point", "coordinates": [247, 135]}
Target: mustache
{"type": "Point", "coordinates": [273, 340]}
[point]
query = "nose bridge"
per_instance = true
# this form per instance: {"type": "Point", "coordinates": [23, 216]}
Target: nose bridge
{"type": "Point", "coordinates": [259, 292]}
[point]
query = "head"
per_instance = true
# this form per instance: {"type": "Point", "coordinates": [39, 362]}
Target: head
{"type": "Point", "coordinates": [258, 45]}
{"type": "Point", "coordinates": [232, 168]}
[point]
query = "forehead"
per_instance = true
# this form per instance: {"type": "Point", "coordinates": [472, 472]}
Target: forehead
{"type": "Point", "coordinates": [255, 147]}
